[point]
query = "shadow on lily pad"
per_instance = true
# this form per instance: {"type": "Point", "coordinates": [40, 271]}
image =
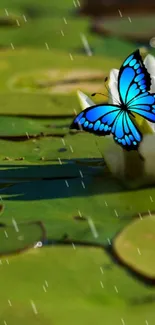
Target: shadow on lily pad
{"type": "Point", "coordinates": [56, 181]}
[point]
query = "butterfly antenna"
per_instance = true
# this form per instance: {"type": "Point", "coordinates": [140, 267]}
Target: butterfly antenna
{"type": "Point", "coordinates": [94, 94]}
{"type": "Point", "coordinates": [109, 93]}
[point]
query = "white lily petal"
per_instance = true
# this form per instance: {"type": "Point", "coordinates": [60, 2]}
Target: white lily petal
{"type": "Point", "coordinates": [114, 75]}
{"type": "Point", "coordinates": [152, 125]}
{"type": "Point", "coordinates": [113, 85]}
{"type": "Point", "coordinates": [85, 101]}
{"type": "Point", "coordinates": [114, 95]}
{"type": "Point", "coordinates": [147, 150]}
{"type": "Point", "coordinates": [152, 90]}
{"type": "Point", "coordinates": [149, 62]}
{"type": "Point", "coordinates": [114, 157]}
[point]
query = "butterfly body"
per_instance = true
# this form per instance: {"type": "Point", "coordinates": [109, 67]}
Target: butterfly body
{"type": "Point", "coordinates": [133, 87]}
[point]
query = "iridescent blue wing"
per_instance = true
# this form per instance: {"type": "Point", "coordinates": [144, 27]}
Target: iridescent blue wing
{"type": "Point", "coordinates": [106, 119]}
{"type": "Point", "coordinates": [133, 78]}
{"type": "Point", "coordinates": [125, 132]}
{"type": "Point", "coordinates": [96, 119]}
{"type": "Point", "coordinates": [144, 105]}
{"type": "Point", "coordinates": [133, 84]}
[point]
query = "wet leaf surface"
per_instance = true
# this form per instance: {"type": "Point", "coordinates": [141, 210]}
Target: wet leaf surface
{"type": "Point", "coordinates": [135, 245]}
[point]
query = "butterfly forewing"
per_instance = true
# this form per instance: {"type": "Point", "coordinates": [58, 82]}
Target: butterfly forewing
{"type": "Point", "coordinates": [96, 119]}
{"type": "Point", "coordinates": [133, 78]}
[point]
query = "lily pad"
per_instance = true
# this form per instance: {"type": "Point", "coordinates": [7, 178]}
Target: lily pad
{"type": "Point", "coordinates": [27, 127]}
{"type": "Point", "coordinates": [135, 245]}
{"type": "Point", "coordinates": [101, 199]}
{"type": "Point", "coordinates": [72, 88]}
{"type": "Point", "coordinates": [138, 27]}
{"type": "Point", "coordinates": [20, 236]}
{"type": "Point", "coordinates": [10, 19]}
{"type": "Point", "coordinates": [42, 280]}
{"type": "Point", "coordinates": [24, 104]}
{"type": "Point", "coordinates": [47, 149]}
{"type": "Point", "coordinates": [56, 80]}
{"type": "Point", "coordinates": [71, 195]}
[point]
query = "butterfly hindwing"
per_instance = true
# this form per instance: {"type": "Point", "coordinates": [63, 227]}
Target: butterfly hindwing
{"type": "Point", "coordinates": [106, 119]}
{"type": "Point", "coordinates": [144, 105]}
{"type": "Point", "coordinates": [125, 132]}
{"type": "Point", "coordinates": [133, 78]}
{"type": "Point", "coordinates": [96, 119]}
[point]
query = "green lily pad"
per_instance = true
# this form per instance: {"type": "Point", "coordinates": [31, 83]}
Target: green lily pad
{"type": "Point", "coordinates": [20, 236]}
{"type": "Point", "coordinates": [47, 149]}
{"type": "Point", "coordinates": [139, 26]}
{"type": "Point", "coordinates": [27, 127]}
{"type": "Point", "coordinates": [71, 195]}
{"type": "Point", "coordinates": [57, 81]}
{"type": "Point", "coordinates": [98, 198]}
{"type": "Point", "coordinates": [22, 104]}
{"type": "Point", "coordinates": [44, 281]}
{"type": "Point", "coordinates": [35, 80]}
{"type": "Point", "coordinates": [10, 18]}
{"type": "Point", "coordinates": [135, 245]}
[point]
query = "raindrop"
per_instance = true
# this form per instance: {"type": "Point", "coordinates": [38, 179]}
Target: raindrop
{"type": "Point", "coordinates": [24, 18]}
{"type": "Point", "coordinates": [12, 46]}
{"type": "Point", "coordinates": [47, 46]}
{"type": "Point", "coordinates": [101, 270]}
{"type": "Point", "coordinates": [101, 283]}
{"type": "Point", "coordinates": [86, 45]}
{"type": "Point", "coordinates": [83, 185]}
{"type": "Point", "coordinates": [6, 12]}
{"type": "Point", "coordinates": [139, 252]}
{"type": "Point", "coordinates": [71, 57]}
{"type": "Point", "coordinates": [116, 289]}
{"type": "Point", "coordinates": [92, 227]}
{"type": "Point", "coordinates": [65, 21]}
{"type": "Point", "coordinates": [34, 307]}
{"type": "Point", "coordinates": [120, 13]}
{"type": "Point", "coordinates": [9, 302]}
{"type": "Point", "coordinates": [66, 183]}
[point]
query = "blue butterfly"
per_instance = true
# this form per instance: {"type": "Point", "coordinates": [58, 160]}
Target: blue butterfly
{"type": "Point", "coordinates": [133, 87]}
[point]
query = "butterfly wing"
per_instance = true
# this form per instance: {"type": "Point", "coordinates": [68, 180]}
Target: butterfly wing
{"type": "Point", "coordinates": [134, 83]}
{"type": "Point", "coordinates": [133, 78]}
{"type": "Point", "coordinates": [125, 132]}
{"type": "Point", "coordinates": [144, 105]}
{"type": "Point", "coordinates": [97, 119]}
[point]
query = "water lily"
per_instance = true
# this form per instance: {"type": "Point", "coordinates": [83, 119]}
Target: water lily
{"type": "Point", "coordinates": [149, 62]}
{"type": "Point", "coordinates": [134, 168]}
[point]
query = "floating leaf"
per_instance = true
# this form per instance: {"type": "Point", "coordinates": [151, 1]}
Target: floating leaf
{"type": "Point", "coordinates": [135, 245]}
{"type": "Point", "coordinates": [20, 237]}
